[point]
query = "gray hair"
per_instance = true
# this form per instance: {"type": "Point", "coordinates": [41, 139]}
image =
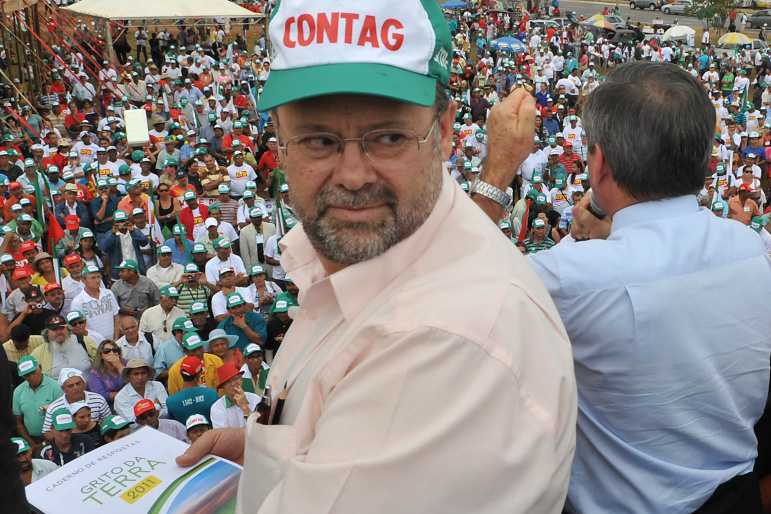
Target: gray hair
{"type": "Point", "coordinates": [44, 333]}
{"type": "Point", "coordinates": [655, 126]}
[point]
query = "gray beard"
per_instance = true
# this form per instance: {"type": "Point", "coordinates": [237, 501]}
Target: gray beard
{"type": "Point", "coordinates": [348, 243]}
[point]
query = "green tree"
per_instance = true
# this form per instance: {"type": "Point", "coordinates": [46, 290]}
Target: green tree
{"type": "Point", "coordinates": [712, 13]}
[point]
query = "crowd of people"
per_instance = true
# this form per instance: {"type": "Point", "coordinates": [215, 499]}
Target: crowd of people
{"type": "Point", "coordinates": [560, 68]}
{"type": "Point", "coordinates": [114, 322]}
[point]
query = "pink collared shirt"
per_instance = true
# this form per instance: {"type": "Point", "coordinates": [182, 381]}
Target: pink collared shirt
{"type": "Point", "coordinates": [436, 377]}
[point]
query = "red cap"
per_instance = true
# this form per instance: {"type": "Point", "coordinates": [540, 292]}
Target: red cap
{"type": "Point", "coordinates": [26, 246]}
{"type": "Point", "coordinates": [568, 143]}
{"type": "Point", "coordinates": [51, 286]}
{"type": "Point", "coordinates": [174, 114]}
{"type": "Point", "coordinates": [72, 259]}
{"type": "Point", "coordinates": [226, 372]}
{"type": "Point", "coordinates": [191, 366]}
{"type": "Point", "coordinates": [72, 222]}
{"type": "Point", "coordinates": [746, 187]}
{"type": "Point", "coordinates": [148, 108]}
{"type": "Point", "coordinates": [143, 406]}
{"type": "Point", "coordinates": [14, 185]}
{"type": "Point", "coordinates": [20, 273]}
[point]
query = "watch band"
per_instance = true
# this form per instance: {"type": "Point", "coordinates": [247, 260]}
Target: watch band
{"type": "Point", "coordinates": [493, 193]}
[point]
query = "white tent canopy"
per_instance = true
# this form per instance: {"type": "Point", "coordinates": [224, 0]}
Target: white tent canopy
{"type": "Point", "coordinates": [166, 9]}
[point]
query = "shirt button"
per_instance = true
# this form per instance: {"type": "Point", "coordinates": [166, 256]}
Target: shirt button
{"type": "Point", "coordinates": [312, 315]}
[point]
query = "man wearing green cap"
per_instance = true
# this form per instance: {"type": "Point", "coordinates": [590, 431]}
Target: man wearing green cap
{"type": "Point", "coordinates": [123, 243]}
{"type": "Point", "coordinates": [250, 327]}
{"type": "Point", "coordinates": [157, 319]}
{"type": "Point", "coordinates": [171, 351]}
{"type": "Point", "coordinates": [65, 446]}
{"type": "Point", "coordinates": [31, 398]}
{"type": "Point", "coordinates": [379, 219]}
{"type": "Point", "coordinates": [135, 293]}
{"type": "Point", "coordinates": [31, 469]}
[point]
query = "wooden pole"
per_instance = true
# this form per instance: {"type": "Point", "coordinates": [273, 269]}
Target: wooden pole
{"type": "Point", "coordinates": [39, 48]}
{"type": "Point", "coordinates": [109, 41]}
{"type": "Point", "coordinates": [19, 59]}
{"type": "Point", "coordinates": [5, 41]}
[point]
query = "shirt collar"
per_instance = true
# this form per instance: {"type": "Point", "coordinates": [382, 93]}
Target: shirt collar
{"type": "Point", "coordinates": [367, 278]}
{"type": "Point", "coordinates": [654, 210]}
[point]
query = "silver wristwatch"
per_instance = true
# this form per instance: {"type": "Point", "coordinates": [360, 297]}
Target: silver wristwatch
{"type": "Point", "coordinates": [493, 193]}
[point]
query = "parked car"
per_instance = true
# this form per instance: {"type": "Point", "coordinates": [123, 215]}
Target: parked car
{"type": "Point", "coordinates": [616, 21]}
{"type": "Point", "coordinates": [542, 25]}
{"type": "Point", "coordinates": [759, 19]}
{"type": "Point", "coordinates": [757, 45]}
{"type": "Point", "coordinates": [646, 4]}
{"type": "Point", "coordinates": [677, 7]}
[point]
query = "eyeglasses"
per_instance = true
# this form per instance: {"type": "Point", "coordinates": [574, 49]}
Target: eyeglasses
{"type": "Point", "coordinates": [381, 146]}
{"type": "Point", "coordinates": [110, 350]}
{"type": "Point", "coordinates": [163, 190]}
{"type": "Point", "coordinates": [78, 322]}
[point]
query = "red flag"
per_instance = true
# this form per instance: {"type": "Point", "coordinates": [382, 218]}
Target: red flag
{"type": "Point", "coordinates": [523, 230]}
{"type": "Point", "coordinates": [55, 231]}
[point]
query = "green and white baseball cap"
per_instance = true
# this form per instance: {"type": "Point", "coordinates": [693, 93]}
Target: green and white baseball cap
{"type": "Point", "coordinates": [354, 47]}
{"type": "Point", "coordinates": [197, 307]}
{"type": "Point", "coordinates": [21, 445]}
{"type": "Point", "coordinates": [27, 365]}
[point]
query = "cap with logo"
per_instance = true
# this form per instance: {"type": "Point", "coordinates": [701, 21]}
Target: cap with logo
{"type": "Point", "coordinates": [757, 224]}
{"type": "Point", "coordinates": [235, 299]}
{"type": "Point", "coordinates": [169, 291]}
{"type": "Point", "coordinates": [221, 242]}
{"type": "Point", "coordinates": [198, 248]}
{"type": "Point", "coordinates": [61, 419]}
{"type": "Point", "coordinates": [67, 373]}
{"type": "Point", "coordinates": [164, 249]}
{"type": "Point", "coordinates": [395, 54]}
{"type": "Point", "coordinates": [191, 366]}
{"type": "Point", "coordinates": [252, 348]}
{"type": "Point", "coordinates": [21, 444]}
{"type": "Point", "coordinates": [193, 421]}
{"type": "Point", "coordinates": [197, 307]}
{"type": "Point", "coordinates": [191, 267]}
{"type": "Point", "coordinates": [142, 406]}
{"type": "Point", "coordinates": [128, 264]}
{"type": "Point", "coordinates": [191, 341]}
{"type": "Point", "coordinates": [26, 365]}
{"type": "Point", "coordinates": [120, 215]}
{"type": "Point", "coordinates": [183, 323]}
{"type": "Point", "coordinates": [280, 306]}
{"type": "Point", "coordinates": [113, 422]}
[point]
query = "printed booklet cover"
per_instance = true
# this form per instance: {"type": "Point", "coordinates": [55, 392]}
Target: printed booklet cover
{"type": "Point", "coordinates": [138, 474]}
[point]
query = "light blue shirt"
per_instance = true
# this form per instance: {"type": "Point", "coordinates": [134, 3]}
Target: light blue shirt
{"type": "Point", "coordinates": [669, 322]}
{"type": "Point", "coordinates": [167, 355]}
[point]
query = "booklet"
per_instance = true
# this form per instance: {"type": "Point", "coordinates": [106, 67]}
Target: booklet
{"type": "Point", "coordinates": [138, 474]}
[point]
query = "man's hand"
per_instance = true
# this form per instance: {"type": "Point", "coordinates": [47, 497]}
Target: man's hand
{"type": "Point", "coordinates": [586, 225]}
{"type": "Point", "coordinates": [510, 132]}
{"type": "Point", "coordinates": [227, 443]}
{"type": "Point", "coordinates": [239, 321]}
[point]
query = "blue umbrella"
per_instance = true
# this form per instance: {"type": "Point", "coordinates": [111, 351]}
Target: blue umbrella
{"type": "Point", "coordinates": [454, 4]}
{"type": "Point", "coordinates": [507, 43]}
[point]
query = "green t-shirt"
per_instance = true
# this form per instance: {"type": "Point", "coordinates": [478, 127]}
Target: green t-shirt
{"type": "Point", "coordinates": [29, 403]}
{"type": "Point", "coordinates": [728, 82]}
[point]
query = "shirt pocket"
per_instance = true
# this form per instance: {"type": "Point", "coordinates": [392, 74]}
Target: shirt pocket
{"type": "Point", "coordinates": [268, 450]}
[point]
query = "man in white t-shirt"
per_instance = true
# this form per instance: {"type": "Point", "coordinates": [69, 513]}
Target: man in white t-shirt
{"type": "Point", "coordinates": [227, 283]}
{"type": "Point", "coordinates": [98, 304]}
{"type": "Point", "coordinates": [240, 173]}
{"type": "Point", "coordinates": [572, 133]}
{"type": "Point", "coordinates": [225, 259]}
{"type": "Point", "coordinates": [85, 148]}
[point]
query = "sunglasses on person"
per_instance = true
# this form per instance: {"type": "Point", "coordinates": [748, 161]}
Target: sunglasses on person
{"type": "Point", "coordinates": [107, 351]}
{"type": "Point", "coordinates": [163, 190]}
{"type": "Point", "coordinates": [77, 322]}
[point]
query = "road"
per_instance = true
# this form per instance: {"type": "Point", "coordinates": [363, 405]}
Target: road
{"type": "Point", "coordinates": [588, 9]}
